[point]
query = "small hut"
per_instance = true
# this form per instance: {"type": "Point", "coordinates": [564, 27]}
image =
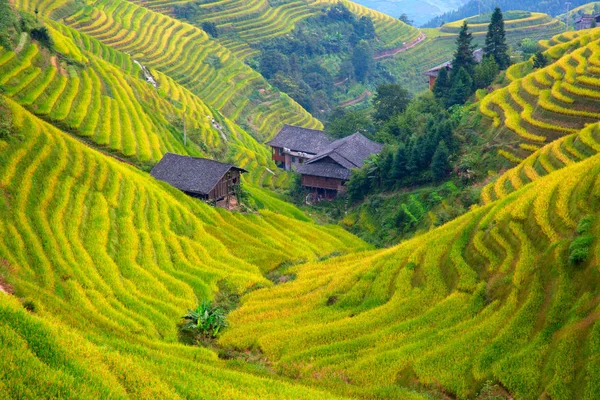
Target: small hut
{"type": "Point", "coordinates": [433, 73]}
{"type": "Point", "coordinates": [201, 178]}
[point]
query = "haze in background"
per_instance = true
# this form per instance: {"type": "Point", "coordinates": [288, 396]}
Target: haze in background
{"type": "Point", "coordinates": [419, 11]}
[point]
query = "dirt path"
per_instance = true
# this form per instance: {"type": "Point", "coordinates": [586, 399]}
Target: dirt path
{"type": "Point", "coordinates": [392, 52]}
{"type": "Point", "coordinates": [340, 82]}
{"type": "Point", "coordinates": [356, 100]}
{"type": "Point", "coordinates": [22, 41]}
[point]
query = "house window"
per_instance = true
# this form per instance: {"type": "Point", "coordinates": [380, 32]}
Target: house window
{"type": "Point", "coordinates": [293, 159]}
{"type": "Point", "coordinates": [302, 161]}
{"type": "Point", "coordinates": [280, 151]}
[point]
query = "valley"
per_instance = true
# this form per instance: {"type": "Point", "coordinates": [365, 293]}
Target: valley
{"type": "Point", "coordinates": [400, 241]}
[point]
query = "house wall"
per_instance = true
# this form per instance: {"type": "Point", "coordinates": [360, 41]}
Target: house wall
{"type": "Point", "coordinates": [293, 162]}
{"type": "Point", "coordinates": [320, 182]}
{"type": "Point", "coordinates": [226, 186]}
{"type": "Point", "coordinates": [431, 82]}
{"type": "Point", "coordinates": [278, 155]}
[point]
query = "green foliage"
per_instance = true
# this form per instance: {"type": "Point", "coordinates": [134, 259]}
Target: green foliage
{"type": "Point", "coordinates": [495, 41]}
{"type": "Point", "coordinates": [214, 61]}
{"type": "Point", "coordinates": [42, 35]}
{"type": "Point", "coordinates": [207, 320]}
{"type": "Point", "coordinates": [390, 100]}
{"type": "Point", "coordinates": [485, 73]}
{"type": "Point", "coordinates": [440, 163]}
{"type": "Point", "coordinates": [463, 56]}
{"type": "Point", "coordinates": [8, 24]}
{"type": "Point", "coordinates": [441, 88]}
{"type": "Point", "coordinates": [210, 28]}
{"type": "Point", "coordinates": [528, 46]}
{"type": "Point", "coordinates": [344, 123]}
{"type": "Point", "coordinates": [581, 246]}
{"type": "Point", "coordinates": [539, 60]}
{"type": "Point", "coordinates": [462, 88]}
{"type": "Point", "coordinates": [362, 60]}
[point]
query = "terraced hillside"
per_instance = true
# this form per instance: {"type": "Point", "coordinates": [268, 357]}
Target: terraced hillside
{"type": "Point", "coordinates": [440, 44]}
{"type": "Point", "coordinates": [507, 293]}
{"type": "Point", "coordinates": [542, 106]}
{"type": "Point", "coordinates": [107, 260]}
{"type": "Point", "coordinates": [188, 56]}
{"type": "Point", "coordinates": [117, 110]}
{"type": "Point", "coordinates": [245, 23]}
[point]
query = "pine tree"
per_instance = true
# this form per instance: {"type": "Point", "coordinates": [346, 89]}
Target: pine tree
{"type": "Point", "coordinates": [462, 85]}
{"type": "Point", "coordinates": [441, 88]}
{"type": "Point", "coordinates": [485, 72]}
{"type": "Point", "coordinates": [495, 40]}
{"type": "Point", "coordinates": [400, 162]}
{"type": "Point", "coordinates": [463, 57]}
{"type": "Point", "coordinates": [440, 163]}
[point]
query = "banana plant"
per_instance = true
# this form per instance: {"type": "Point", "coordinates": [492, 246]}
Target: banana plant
{"type": "Point", "coordinates": [207, 320]}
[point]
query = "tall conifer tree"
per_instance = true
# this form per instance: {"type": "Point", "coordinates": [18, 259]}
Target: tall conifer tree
{"type": "Point", "coordinates": [463, 57]}
{"type": "Point", "coordinates": [495, 40]}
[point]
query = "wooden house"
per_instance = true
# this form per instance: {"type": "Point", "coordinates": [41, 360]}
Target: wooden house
{"type": "Point", "coordinates": [202, 178]}
{"type": "Point", "coordinates": [293, 146]}
{"type": "Point", "coordinates": [587, 21]}
{"type": "Point", "coordinates": [432, 73]}
{"type": "Point", "coordinates": [327, 173]}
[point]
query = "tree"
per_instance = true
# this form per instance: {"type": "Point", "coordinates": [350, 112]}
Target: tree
{"type": "Point", "coordinates": [485, 72]}
{"type": "Point", "coordinates": [210, 28]}
{"type": "Point", "coordinates": [441, 88]}
{"type": "Point", "coordinates": [440, 163]}
{"type": "Point", "coordinates": [398, 170]}
{"type": "Point", "coordinates": [529, 46]}
{"type": "Point", "coordinates": [359, 184]}
{"type": "Point", "coordinates": [344, 123]}
{"type": "Point", "coordinates": [364, 28]}
{"type": "Point", "coordinates": [463, 57]}
{"type": "Point", "coordinates": [42, 35]}
{"type": "Point", "coordinates": [539, 60]}
{"type": "Point", "coordinates": [404, 18]}
{"type": "Point", "coordinates": [362, 60]}
{"type": "Point", "coordinates": [390, 99]}
{"type": "Point", "coordinates": [495, 40]}
{"type": "Point", "coordinates": [271, 62]}
{"type": "Point", "coordinates": [461, 88]}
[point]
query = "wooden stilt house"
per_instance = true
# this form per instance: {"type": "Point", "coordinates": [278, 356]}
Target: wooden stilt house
{"type": "Point", "coordinates": [202, 178]}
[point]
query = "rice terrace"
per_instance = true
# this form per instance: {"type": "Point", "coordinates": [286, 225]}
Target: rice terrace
{"type": "Point", "coordinates": [299, 199]}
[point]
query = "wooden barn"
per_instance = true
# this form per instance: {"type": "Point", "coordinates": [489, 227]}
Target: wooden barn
{"type": "Point", "coordinates": [587, 21]}
{"type": "Point", "coordinates": [326, 174]}
{"type": "Point", "coordinates": [432, 73]}
{"type": "Point", "coordinates": [202, 178]}
{"type": "Point", "coordinates": [293, 146]}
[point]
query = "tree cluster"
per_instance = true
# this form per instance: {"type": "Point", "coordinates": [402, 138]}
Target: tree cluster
{"type": "Point", "coordinates": [420, 146]}
{"type": "Point", "coordinates": [454, 86]}
{"type": "Point", "coordinates": [294, 62]}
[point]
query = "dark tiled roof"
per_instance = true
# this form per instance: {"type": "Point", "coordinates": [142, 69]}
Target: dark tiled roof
{"type": "Point", "coordinates": [300, 139]}
{"type": "Point", "coordinates": [478, 54]}
{"type": "Point", "coordinates": [347, 153]}
{"type": "Point", "coordinates": [325, 169]}
{"type": "Point", "coordinates": [191, 174]}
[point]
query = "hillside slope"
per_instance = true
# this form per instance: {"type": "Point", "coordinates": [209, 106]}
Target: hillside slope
{"type": "Point", "coordinates": [540, 106]}
{"type": "Point", "coordinates": [507, 293]}
{"type": "Point", "coordinates": [408, 67]}
{"type": "Point", "coordinates": [107, 260]}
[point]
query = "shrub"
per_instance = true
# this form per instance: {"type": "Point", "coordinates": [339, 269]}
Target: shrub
{"type": "Point", "coordinates": [42, 35]}
{"type": "Point", "coordinates": [579, 249]}
{"type": "Point", "coordinates": [207, 320]}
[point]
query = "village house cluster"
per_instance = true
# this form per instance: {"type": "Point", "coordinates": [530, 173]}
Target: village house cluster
{"type": "Point", "coordinates": [324, 164]}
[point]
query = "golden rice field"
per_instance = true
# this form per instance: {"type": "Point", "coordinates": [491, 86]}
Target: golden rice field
{"type": "Point", "coordinates": [186, 54]}
{"type": "Point", "coordinates": [538, 107]}
{"type": "Point", "coordinates": [491, 296]}
{"type": "Point", "coordinates": [106, 101]}
{"type": "Point", "coordinates": [109, 259]}
{"type": "Point", "coordinates": [245, 23]}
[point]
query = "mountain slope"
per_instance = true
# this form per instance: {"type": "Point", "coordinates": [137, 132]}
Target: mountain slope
{"type": "Point", "coordinates": [108, 259]}
{"type": "Point", "coordinates": [494, 295]}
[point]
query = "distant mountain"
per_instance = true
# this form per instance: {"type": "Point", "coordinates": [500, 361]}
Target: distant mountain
{"type": "Point", "coordinates": [552, 7]}
{"type": "Point", "coordinates": [419, 11]}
